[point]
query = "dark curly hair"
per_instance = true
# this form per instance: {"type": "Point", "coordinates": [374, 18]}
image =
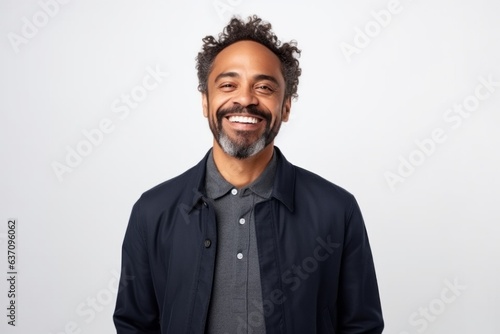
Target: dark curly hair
{"type": "Point", "coordinates": [254, 30]}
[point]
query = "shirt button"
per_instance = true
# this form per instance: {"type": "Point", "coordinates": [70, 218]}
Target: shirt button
{"type": "Point", "coordinates": [208, 243]}
{"type": "Point", "coordinates": [242, 221]}
{"type": "Point", "coordinates": [234, 191]}
{"type": "Point", "coordinates": [239, 256]}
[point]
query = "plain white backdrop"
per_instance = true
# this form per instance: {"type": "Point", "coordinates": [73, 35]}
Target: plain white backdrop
{"type": "Point", "coordinates": [398, 103]}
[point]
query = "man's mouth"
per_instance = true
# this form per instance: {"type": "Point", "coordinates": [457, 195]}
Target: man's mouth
{"type": "Point", "coordinates": [243, 119]}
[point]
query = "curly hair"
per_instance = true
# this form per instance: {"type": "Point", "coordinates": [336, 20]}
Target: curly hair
{"type": "Point", "coordinates": [254, 30]}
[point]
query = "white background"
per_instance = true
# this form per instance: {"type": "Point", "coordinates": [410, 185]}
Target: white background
{"type": "Point", "coordinates": [356, 117]}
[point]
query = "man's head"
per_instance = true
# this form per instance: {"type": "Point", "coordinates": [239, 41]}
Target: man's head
{"type": "Point", "coordinates": [247, 79]}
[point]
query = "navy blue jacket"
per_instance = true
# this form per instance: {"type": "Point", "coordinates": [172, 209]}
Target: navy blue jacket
{"type": "Point", "coordinates": [316, 266]}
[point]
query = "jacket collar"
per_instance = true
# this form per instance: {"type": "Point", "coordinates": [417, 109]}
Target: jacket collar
{"type": "Point", "coordinates": [283, 185]}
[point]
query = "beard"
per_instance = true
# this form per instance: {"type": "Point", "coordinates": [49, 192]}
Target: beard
{"type": "Point", "coordinates": [243, 146]}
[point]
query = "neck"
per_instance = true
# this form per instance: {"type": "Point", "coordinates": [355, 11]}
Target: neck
{"type": "Point", "coordinates": [241, 172]}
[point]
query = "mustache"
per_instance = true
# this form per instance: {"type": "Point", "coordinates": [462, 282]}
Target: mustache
{"type": "Point", "coordinates": [249, 110]}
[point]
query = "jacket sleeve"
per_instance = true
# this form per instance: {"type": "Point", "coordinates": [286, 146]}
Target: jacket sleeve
{"type": "Point", "coordinates": [136, 306]}
{"type": "Point", "coordinates": [359, 302]}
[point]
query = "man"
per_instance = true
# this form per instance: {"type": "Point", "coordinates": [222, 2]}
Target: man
{"type": "Point", "coordinates": [246, 242]}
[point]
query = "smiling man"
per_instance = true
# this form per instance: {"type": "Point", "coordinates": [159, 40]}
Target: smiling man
{"type": "Point", "coordinates": [245, 242]}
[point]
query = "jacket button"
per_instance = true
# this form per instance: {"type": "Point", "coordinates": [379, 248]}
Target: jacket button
{"type": "Point", "coordinates": [205, 204]}
{"type": "Point", "coordinates": [208, 243]}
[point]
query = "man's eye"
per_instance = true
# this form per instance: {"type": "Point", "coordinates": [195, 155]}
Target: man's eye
{"type": "Point", "coordinates": [266, 88]}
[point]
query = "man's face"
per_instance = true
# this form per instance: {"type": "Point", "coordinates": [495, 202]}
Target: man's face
{"type": "Point", "coordinates": [246, 103]}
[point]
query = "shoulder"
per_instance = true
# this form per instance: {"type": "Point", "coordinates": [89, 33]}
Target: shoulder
{"type": "Point", "coordinates": [181, 188]}
{"type": "Point", "coordinates": [297, 185]}
{"type": "Point", "coordinates": [324, 197]}
{"type": "Point", "coordinates": [171, 186]}
{"type": "Point", "coordinates": [309, 182]}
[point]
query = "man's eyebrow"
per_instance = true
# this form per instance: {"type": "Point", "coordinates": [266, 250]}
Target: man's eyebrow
{"type": "Point", "coordinates": [226, 75]}
{"type": "Point", "coordinates": [257, 77]}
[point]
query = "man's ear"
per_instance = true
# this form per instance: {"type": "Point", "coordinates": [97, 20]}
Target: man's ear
{"type": "Point", "coordinates": [204, 104]}
{"type": "Point", "coordinates": [285, 112]}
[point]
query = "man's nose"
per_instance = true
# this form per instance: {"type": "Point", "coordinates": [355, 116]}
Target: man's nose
{"type": "Point", "coordinates": [246, 97]}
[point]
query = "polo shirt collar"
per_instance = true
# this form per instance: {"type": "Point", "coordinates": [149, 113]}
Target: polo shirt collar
{"type": "Point", "coordinates": [217, 186]}
{"type": "Point", "coordinates": [283, 187]}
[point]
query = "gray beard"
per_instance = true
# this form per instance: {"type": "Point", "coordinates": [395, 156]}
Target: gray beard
{"type": "Point", "coordinates": [240, 150]}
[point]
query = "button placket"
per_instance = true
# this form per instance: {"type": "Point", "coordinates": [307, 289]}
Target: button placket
{"type": "Point", "coordinates": [243, 204]}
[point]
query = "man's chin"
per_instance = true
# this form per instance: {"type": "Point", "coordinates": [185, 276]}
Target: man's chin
{"type": "Point", "coordinates": [241, 150]}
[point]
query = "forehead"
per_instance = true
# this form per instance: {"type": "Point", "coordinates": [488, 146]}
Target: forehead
{"type": "Point", "coordinates": [247, 58]}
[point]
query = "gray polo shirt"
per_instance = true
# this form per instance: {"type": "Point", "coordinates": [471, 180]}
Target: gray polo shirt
{"type": "Point", "coordinates": [236, 302]}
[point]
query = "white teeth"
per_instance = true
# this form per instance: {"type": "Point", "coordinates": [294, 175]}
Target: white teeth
{"type": "Point", "coordinates": [243, 119]}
